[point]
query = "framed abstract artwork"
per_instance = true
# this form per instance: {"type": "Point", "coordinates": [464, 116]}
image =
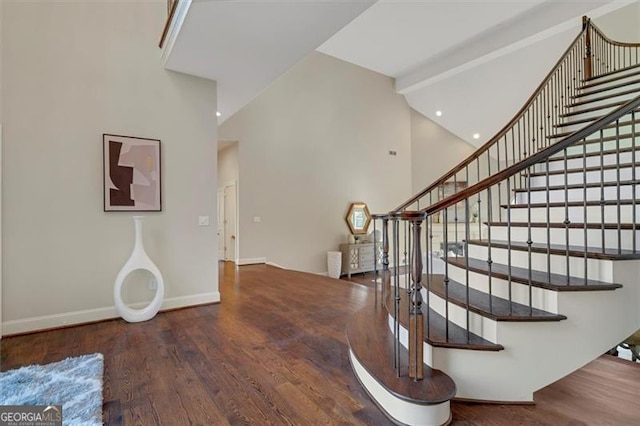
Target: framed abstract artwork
{"type": "Point", "coordinates": [131, 171]}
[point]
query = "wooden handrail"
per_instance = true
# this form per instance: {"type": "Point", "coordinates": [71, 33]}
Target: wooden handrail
{"type": "Point", "coordinates": [165, 31]}
{"type": "Point", "coordinates": [491, 142]}
{"type": "Point", "coordinates": [608, 40]}
{"type": "Point", "coordinates": [533, 159]}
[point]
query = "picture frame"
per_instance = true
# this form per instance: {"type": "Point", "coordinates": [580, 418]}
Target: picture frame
{"type": "Point", "coordinates": [131, 174]}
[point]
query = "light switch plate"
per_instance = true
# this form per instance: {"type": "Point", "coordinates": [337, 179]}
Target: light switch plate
{"type": "Point", "coordinates": [203, 220]}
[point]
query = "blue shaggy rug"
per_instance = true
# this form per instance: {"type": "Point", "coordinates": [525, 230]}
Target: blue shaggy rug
{"type": "Point", "coordinates": [74, 383]}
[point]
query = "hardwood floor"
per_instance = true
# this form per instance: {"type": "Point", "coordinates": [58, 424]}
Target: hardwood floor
{"type": "Point", "coordinates": [274, 352]}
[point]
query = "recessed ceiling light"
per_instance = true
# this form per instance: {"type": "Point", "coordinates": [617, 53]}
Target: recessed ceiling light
{"type": "Point", "coordinates": [439, 113]}
{"type": "Point", "coordinates": [476, 135]}
{"type": "Point", "coordinates": [218, 113]}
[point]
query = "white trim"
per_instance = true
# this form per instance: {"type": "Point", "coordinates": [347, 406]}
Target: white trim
{"type": "Point", "coordinates": [1, 223]}
{"type": "Point", "coordinates": [251, 261]}
{"type": "Point", "coordinates": [89, 315]}
{"type": "Point", "coordinates": [400, 410]}
{"type": "Point", "coordinates": [275, 265]}
{"type": "Point", "coordinates": [174, 28]}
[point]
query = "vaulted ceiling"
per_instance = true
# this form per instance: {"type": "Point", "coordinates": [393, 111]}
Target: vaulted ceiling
{"type": "Point", "coordinates": [475, 61]}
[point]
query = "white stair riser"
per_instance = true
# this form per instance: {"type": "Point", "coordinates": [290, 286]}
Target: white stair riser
{"type": "Point", "coordinates": [624, 129]}
{"type": "Point", "coordinates": [626, 76]}
{"type": "Point", "coordinates": [597, 269]}
{"type": "Point", "coordinates": [594, 144]}
{"type": "Point", "coordinates": [576, 214]}
{"type": "Point", "coordinates": [541, 298]}
{"type": "Point", "coordinates": [576, 236]}
{"type": "Point", "coordinates": [591, 114]}
{"type": "Point", "coordinates": [576, 163]}
{"type": "Point", "coordinates": [612, 175]}
{"type": "Point", "coordinates": [613, 95]}
{"type": "Point", "coordinates": [478, 325]}
{"type": "Point", "coordinates": [577, 194]}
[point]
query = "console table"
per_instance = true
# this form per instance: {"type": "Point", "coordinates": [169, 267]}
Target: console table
{"type": "Point", "coordinates": [359, 258]}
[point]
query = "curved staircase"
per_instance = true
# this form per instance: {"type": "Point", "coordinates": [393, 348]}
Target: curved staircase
{"type": "Point", "coordinates": [520, 265]}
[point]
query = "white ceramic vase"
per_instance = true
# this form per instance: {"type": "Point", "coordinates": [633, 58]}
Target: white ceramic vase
{"type": "Point", "coordinates": [138, 261]}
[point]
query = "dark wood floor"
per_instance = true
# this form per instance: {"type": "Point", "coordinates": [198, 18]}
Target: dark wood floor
{"type": "Point", "coordinates": [274, 352]}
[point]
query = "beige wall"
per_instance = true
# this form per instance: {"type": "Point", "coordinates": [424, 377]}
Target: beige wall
{"type": "Point", "coordinates": [316, 140]}
{"type": "Point", "coordinates": [72, 71]}
{"type": "Point", "coordinates": [434, 151]}
{"type": "Point", "coordinates": [228, 165]}
{"type": "Point", "coordinates": [622, 24]}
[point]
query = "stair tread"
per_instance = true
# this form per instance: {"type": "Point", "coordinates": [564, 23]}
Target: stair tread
{"type": "Point", "coordinates": [605, 89]}
{"type": "Point", "coordinates": [610, 73]}
{"type": "Point", "coordinates": [371, 342]}
{"type": "Point", "coordinates": [572, 204]}
{"type": "Point", "coordinates": [610, 126]}
{"type": "Point", "coordinates": [435, 328]}
{"type": "Point", "coordinates": [577, 186]}
{"type": "Point", "coordinates": [572, 225]}
{"type": "Point", "coordinates": [561, 249]}
{"type": "Point", "coordinates": [541, 279]}
{"type": "Point", "coordinates": [581, 121]}
{"type": "Point", "coordinates": [603, 97]}
{"type": "Point", "coordinates": [599, 82]}
{"type": "Point", "coordinates": [593, 109]}
{"type": "Point", "coordinates": [588, 169]}
{"type": "Point", "coordinates": [493, 307]}
{"type": "Point", "coordinates": [557, 157]}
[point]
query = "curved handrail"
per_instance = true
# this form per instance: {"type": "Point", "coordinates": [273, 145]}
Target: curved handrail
{"type": "Point", "coordinates": [165, 30]}
{"type": "Point", "coordinates": [495, 139]}
{"type": "Point", "coordinates": [608, 40]}
{"type": "Point", "coordinates": [533, 159]}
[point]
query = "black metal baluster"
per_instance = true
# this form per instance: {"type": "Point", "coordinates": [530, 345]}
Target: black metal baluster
{"type": "Point", "coordinates": [567, 222]}
{"type": "Point", "coordinates": [602, 202]}
{"type": "Point", "coordinates": [584, 204]}
{"type": "Point", "coordinates": [509, 282]}
{"type": "Point", "coordinates": [633, 178]}
{"type": "Point", "coordinates": [446, 273]}
{"type": "Point", "coordinates": [618, 186]}
{"type": "Point", "coordinates": [466, 262]}
{"type": "Point", "coordinates": [529, 242]}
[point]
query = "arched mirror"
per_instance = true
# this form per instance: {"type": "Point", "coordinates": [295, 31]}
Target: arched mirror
{"type": "Point", "coordinates": [358, 218]}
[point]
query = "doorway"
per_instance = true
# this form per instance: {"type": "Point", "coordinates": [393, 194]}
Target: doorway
{"type": "Point", "coordinates": [227, 222]}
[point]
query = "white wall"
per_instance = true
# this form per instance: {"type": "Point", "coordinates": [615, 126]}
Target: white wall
{"type": "Point", "coordinates": [228, 168]}
{"type": "Point", "coordinates": [72, 71]}
{"type": "Point", "coordinates": [316, 140]}
{"type": "Point", "coordinates": [434, 151]}
{"type": "Point", "coordinates": [622, 24]}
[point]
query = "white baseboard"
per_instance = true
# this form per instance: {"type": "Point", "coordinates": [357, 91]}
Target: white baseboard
{"type": "Point", "coordinates": [90, 315]}
{"type": "Point", "coordinates": [275, 265]}
{"type": "Point", "coordinates": [251, 261]}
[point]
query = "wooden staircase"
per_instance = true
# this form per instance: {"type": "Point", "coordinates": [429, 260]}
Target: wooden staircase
{"type": "Point", "coordinates": [545, 280]}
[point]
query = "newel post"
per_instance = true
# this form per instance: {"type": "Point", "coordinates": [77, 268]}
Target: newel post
{"type": "Point", "coordinates": [588, 67]}
{"type": "Point", "coordinates": [416, 320]}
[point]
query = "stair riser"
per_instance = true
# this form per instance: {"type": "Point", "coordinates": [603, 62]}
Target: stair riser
{"type": "Point", "coordinates": [592, 114]}
{"type": "Point", "coordinates": [479, 325]}
{"type": "Point", "coordinates": [616, 93]}
{"type": "Point", "coordinates": [597, 269]}
{"type": "Point", "coordinates": [576, 214]}
{"type": "Point", "coordinates": [577, 194]}
{"type": "Point", "coordinates": [576, 163]}
{"type": "Point", "coordinates": [624, 129]}
{"type": "Point", "coordinates": [576, 236]}
{"type": "Point", "coordinates": [594, 138]}
{"type": "Point", "coordinates": [625, 78]}
{"type": "Point", "coordinates": [544, 299]}
{"type": "Point", "coordinates": [612, 175]}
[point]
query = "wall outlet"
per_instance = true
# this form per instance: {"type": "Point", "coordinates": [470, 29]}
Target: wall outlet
{"type": "Point", "coordinates": [203, 220]}
{"type": "Point", "coordinates": [153, 284]}
{"type": "Point", "coordinates": [257, 219]}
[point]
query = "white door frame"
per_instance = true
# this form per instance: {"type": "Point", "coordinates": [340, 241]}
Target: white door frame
{"type": "Point", "coordinates": [235, 255]}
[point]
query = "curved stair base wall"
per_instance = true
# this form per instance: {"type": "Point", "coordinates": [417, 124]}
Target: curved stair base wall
{"type": "Point", "coordinates": [537, 354]}
{"type": "Point", "coordinates": [397, 409]}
